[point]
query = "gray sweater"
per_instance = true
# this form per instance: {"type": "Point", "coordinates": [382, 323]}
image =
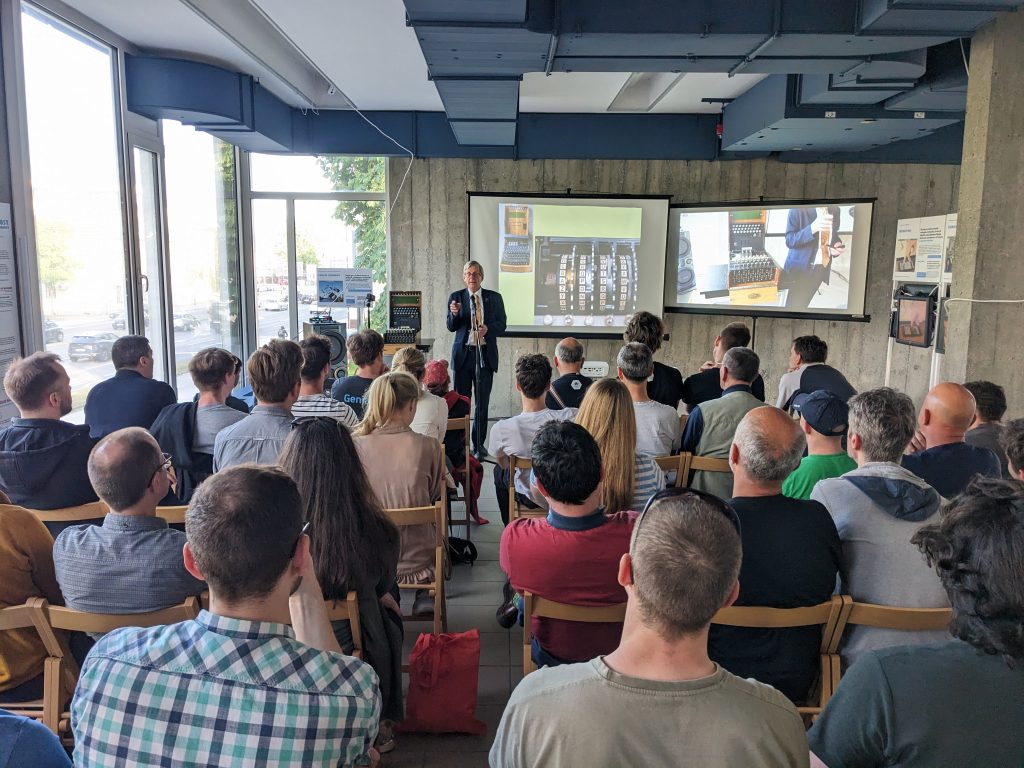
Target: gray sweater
{"type": "Point", "coordinates": [876, 509]}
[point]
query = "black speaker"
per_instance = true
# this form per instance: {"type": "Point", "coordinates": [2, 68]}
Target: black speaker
{"type": "Point", "coordinates": [336, 333]}
{"type": "Point", "coordinates": [686, 278]}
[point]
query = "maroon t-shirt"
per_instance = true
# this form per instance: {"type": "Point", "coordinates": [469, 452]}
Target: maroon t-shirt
{"type": "Point", "coordinates": [575, 561]}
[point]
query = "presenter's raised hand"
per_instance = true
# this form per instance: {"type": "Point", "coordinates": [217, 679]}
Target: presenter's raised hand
{"type": "Point", "coordinates": [455, 307]}
{"type": "Point", "coordinates": [822, 222]}
{"type": "Point", "coordinates": [481, 331]}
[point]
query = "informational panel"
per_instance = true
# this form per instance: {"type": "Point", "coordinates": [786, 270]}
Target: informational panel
{"type": "Point", "coordinates": [343, 286]}
{"type": "Point", "coordinates": [10, 327]}
{"type": "Point", "coordinates": [921, 249]}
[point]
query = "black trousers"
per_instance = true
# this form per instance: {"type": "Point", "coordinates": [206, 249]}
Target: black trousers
{"type": "Point", "coordinates": [802, 285]}
{"type": "Point", "coordinates": [465, 383]}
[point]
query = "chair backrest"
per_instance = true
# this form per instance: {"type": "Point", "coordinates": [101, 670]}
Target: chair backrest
{"type": "Point", "coordinates": [536, 606]}
{"type": "Point", "coordinates": [83, 621]}
{"type": "Point", "coordinates": [889, 617]}
{"type": "Point", "coordinates": [338, 610]}
{"type": "Point", "coordinates": [514, 508]}
{"type": "Point", "coordinates": [173, 515]}
{"type": "Point", "coordinates": [91, 511]}
{"type": "Point", "coordinates": [708, 464]}
{"type": "Point", "coordinates": [418, 516]}
{"type": "Point", "coordinates": [18, 616]}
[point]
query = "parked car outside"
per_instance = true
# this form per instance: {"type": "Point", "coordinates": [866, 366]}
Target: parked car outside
{"type": "Point", "coordinates": [94, 346]}
{"type": "Point", "coordinates": [52, 332]}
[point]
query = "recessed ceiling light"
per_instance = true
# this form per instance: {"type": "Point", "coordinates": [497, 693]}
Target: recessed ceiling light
{"type": "Point", "coordinates": [868, 121]}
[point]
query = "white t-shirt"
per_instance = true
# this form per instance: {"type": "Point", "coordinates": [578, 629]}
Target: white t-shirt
{"type": "Point", "coordinates": [514, 437]}
{"type": "Point", "coordinates": [431, 417]}
{"type": "Point", "coordinates": [657, 428]}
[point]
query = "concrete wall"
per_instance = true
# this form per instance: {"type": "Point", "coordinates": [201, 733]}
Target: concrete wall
{"type": "Point", "coordinates": [429, 244]}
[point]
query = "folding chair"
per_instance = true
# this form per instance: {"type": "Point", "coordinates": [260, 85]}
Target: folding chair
{"type": "Point", "coordinates": [94, 510]}
{"type": "Point", "coordinates": [515, 509]}
{"type": "Point", "coordinates": [173, 515]}
{"type": "Point", "coordinates": [696, 463]}
{"type": "Point", "coordinates": [455, 425]}
{"type": "Point", "coordinates": [831, 616]}
{"type": "Point", "coordinates": [337, 610]}
{"type": "Point", "coordinates": [677, 464]}
{"type": "Point", "coordinates": [536, 606]}
{"type": "Point", "coordinates": [48, 708]}
{"type": "Point", "coordinates": [420, 516]}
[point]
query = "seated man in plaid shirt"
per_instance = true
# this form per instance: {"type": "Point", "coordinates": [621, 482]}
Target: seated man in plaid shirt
{"type": "Point", "coordinates": [236, 686]}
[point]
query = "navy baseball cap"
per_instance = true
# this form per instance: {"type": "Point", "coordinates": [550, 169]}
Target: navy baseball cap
{"type": "Point", "coordinates": [826, 412]}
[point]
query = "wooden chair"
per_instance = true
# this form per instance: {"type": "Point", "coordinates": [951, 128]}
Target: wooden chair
{"type": "Point", "coordinates": [515, 509]}
{"type": "Point", "coordinates": [92, 511]}
{"type": "Point", "coordinates": [455, 425]}
{"type": "Point", "coordinates": [348, 608]}
{"type": "Point", "coordinates": [173, 515]}
{"type": "Point", "coordinates": [679, 464]}
{"type": "Point", "coordinates": [536, 606]}
{"type": "Point", "coordinates": [420, 516]}
{"type": "Point", "coordinates": [831, 616]}
{"type": "Point", "coordinates": [694, 463]}
{"type": "Point", "coordinates": [48, 708]}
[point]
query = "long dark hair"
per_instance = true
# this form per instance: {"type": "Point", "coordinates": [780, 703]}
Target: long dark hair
{"type": "Point", "coordinates": [349, 532]}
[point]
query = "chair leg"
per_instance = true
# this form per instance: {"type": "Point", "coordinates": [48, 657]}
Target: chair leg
{"type": "Point", "coordinates": [52, 694]}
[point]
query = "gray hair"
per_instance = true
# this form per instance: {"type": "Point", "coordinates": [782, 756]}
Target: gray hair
{"type": "Point", "coordinates": [767, 455]}
{"type": "Point", "coordinates": [122, 465]}
{"type": "Point", "coordinates": [885, 420]}
{"type": "Point", "coordinates": [569, 350]}
{"type": "Point", "coordinates": [635, 360]}
{"type": "Point", "coordinates": [473, 263]}
{"type": "Point", "coordinates": [742, 363]}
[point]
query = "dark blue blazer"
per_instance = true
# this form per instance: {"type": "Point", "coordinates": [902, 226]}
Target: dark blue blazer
{"type": "Point", "coordinates": [128, 399]}
{"type": "Point", "coordinates": [494, 319]}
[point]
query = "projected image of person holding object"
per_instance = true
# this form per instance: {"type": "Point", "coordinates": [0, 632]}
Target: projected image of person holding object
{"type": "Point", "coordinates": [812, 237]}
{"type": "Point", "coordinates": [477, 318]}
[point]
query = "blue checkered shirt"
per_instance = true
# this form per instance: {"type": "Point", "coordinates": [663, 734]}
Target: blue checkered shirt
{"type": "Point", "coordinates": [218, 691]}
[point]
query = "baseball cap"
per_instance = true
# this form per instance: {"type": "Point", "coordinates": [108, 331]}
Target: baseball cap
{"type": "Point", "coordinates": [436, 373]}
{"type": "Point", "coordinates": [826, 412]}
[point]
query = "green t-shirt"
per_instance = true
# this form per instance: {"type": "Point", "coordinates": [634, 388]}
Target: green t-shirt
{"type": "Point", "coordinates": [925, 705]}
{"type": "Point", "coordinates": [812, 469]}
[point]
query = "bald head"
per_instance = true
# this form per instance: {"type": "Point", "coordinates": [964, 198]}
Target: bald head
{"type": "Point", "coordinates": [767, 447]}
{"type": "Point", "coordinates": [124, 465]}
{"type": "Point", "coordinates": [947, 412]}
{"type": "Point", "coordinates": [568, 355]}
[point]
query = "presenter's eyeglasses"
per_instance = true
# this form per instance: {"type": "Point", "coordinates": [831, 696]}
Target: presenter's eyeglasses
{"type": "Point", "coordinates": [713, 501]}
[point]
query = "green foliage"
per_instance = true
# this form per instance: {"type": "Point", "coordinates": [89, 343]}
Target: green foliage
{"type": "Point", "coordinates": [365, 217]}
{"type": "Point", "coordinates": [55, 265]}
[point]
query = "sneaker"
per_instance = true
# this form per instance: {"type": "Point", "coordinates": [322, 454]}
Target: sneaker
{"type": "Point", "coordinates": [423, 603]}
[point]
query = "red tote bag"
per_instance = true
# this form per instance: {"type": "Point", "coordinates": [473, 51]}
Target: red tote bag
{"type": "Point", "coordinates": [443, 673]}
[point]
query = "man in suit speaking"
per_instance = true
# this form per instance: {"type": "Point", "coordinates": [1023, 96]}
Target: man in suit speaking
{"type": "Point", "coordinates": [476, 316]}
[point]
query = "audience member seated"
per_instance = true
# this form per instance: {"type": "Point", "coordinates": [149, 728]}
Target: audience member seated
{"type": "Point", "coordinates": [824, 418]}
{"type": "Point", "coordinates": [628, 478]}
{"type": "Point", "coordinates": [987, 428]}
{"type": "Point", "coordinates": [431, 411]}
{"type": "Point", "coordinates": [1013, 444]}
{"type": "Point", "coordinates": [705, 384]}
{"type": "Point", "coordinates": [658, 699]}
{"type": "Point", "coordinates": [942, 458]}
{"type": "Point", "coordinates": [791, 555]}
{"type": "Point", "coordinates": [132, 398]}
{"type": "Point", "coordinates": [354, 547]}
{"type": "Point", "coordinates": [145, 694]}
{"type": "Point", "coordinates": [188, 431]}
{"type": "Point", "coordinates": [404, 469]}
{"type": "Point", "coordinates": [568, 389]}
{"type": "Point", "coordinates": [808, 373]}
{"type": "Point", "coordinates": [26, 570]}
{"type": "Point", "coordinates": [258, 438]}
{"type": "Point", "coordinates": [43, 459]}
{"type": "Point", "coordinates": [514, 436]}
{"type": "Point", "coordinates": [570, 556]}
{"type": "Point", "coordinates": [27, 743]}
{"type": "Point", "coordinates": [438, 382]}
{"type": "Point", "coordinates": [366, 350]}
{"type": "Point", "coordinates": [877, 508]}
{"type": "Point", "coordinates": [316, 366]}
{"type": "Point", "coordinates": [712, 424]}
{"type": "Point", "coordinates": [132, 563]}
{"type": "Point", "coordinates": [915, 706]}
{"type": "Point", "coordinates": [657, 424]}
{"type": "Point", "coordinates": [666, 383]}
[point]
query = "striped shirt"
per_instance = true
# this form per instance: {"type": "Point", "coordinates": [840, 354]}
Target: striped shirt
{"type": "Point", "coordinates": [648, 480]}
{"type": "Point", "coordinates": [219, 691]}
{"type": "Point", "coordinates": [322, 405]}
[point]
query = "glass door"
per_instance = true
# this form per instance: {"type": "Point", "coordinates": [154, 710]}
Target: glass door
{"type": "Point", "coordinates": [152, 285]}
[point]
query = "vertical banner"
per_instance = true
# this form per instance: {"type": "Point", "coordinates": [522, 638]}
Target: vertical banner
{"type": "Point", "coordinates": [10, 345]}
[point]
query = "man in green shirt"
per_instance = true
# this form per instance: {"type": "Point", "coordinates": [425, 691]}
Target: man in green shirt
{"type": "Point", "coordinates": [823, 418]}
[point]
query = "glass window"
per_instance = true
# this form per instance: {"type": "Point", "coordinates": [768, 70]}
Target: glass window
{"type": "Point", "coordinates": [202, 228]}
{"type": "Point", "coordinates": [76, 195]}
{"type": "Point", "coordinates": [270, 263]}
{"type": "Point", "coordinates": [305, 173]}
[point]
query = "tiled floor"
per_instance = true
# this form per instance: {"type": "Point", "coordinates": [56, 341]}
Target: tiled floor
{"type": "Point", "coordinates": [473, 594]}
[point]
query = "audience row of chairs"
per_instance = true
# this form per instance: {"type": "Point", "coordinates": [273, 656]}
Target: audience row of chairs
{"type": "Point", "coordinates": [681, 464]}
{"type": "Point", "coordinates": [833, 617]}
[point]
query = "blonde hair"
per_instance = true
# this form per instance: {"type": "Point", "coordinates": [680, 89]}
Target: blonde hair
{"type": "Point", "coordinates": [607, 414]}
{"type": "Point", "coordinates": [388, 395]}
{"type": "Point", "coordinates": [410, 360]}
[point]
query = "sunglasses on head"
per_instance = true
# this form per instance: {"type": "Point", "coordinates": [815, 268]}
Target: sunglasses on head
{"type": "Point", "coordinates": [674, 493]}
